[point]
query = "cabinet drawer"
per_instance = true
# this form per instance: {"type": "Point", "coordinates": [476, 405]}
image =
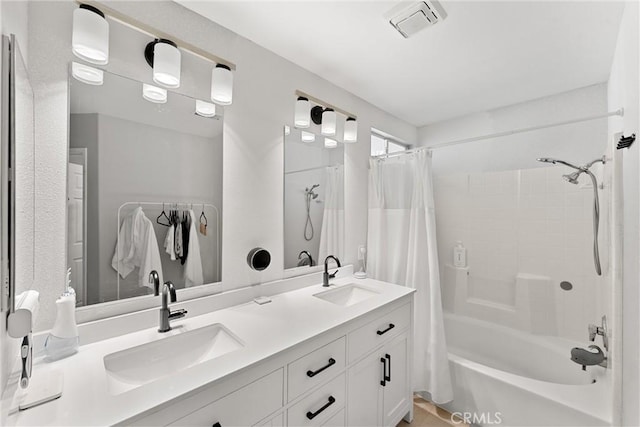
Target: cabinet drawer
{"type": "Point", "coordinates": [338, 420]}
{"type": "Point", "coordinates": [316, 367]}
{"type": "Point", "coordinates": [366, 338]}
{"type": "Point", "coordinates": [243, 407]}
{"type": "Point", "coordinates": [318, 408]}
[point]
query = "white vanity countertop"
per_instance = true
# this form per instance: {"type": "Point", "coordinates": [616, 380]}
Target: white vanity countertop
{"type": "Point", "coordinates": [266, 330]}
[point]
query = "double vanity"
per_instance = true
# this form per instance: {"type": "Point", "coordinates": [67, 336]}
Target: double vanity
{"type": "Point", "coordinates": [312, 356]}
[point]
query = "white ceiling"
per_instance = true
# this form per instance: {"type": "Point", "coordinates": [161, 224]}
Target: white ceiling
{"type": "Point", "coordinates": [484, 55]}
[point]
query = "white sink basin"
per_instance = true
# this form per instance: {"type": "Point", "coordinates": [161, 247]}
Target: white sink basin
{"type": "Point", "coordinates": [136, 366]}
{"type": "Point", "coordinates": [347, 295]}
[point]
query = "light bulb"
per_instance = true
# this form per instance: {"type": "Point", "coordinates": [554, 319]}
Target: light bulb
{"type": "Point", "coordinates": [350, 130]}
{"type": "Point", "coordinates": [328, 122]}
{"type": "Point", "coordinates": [222, 85]}
{"type": "Point", "coordinates": [87, 74]}
{"type": "Point", "coordinates": [166, 63]}
{"type": "Point", "coordinates": [154, 94]}
{"type": "Point", "coordinates": [302, 117]}
{"type": "Point", "coordinates": [90, 37]}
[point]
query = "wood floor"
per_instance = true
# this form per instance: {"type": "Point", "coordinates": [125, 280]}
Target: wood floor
{"type": "Point", "coordinates": [426, 414]}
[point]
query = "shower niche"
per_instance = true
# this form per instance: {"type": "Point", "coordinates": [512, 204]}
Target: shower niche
{"type": "Point", "coordinates": [313, 197]}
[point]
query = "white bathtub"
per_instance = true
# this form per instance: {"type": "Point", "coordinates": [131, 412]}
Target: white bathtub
{"type": "Point", "coordinates": [506, 377]}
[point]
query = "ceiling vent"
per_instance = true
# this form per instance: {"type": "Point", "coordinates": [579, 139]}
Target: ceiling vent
{"type": "Point", "coordinates": [409, 18]}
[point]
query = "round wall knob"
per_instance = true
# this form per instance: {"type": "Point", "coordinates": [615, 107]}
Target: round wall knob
{"type": "Point", "coordinates": [259, 259]}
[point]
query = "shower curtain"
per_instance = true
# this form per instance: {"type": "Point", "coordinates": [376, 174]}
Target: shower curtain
{"type": "Point", "coordinates": [332, 231]}
{"type": "Point", "coordinates": [402, 250]}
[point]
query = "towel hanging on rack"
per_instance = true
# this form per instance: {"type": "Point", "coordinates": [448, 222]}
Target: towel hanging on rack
{"type": "Point", "coordinates": [137, 246]}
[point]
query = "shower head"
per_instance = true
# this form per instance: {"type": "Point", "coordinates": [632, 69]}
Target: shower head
{"type": "Point", "coordinates": [555, 161]}
{"type": "Point", "coordinates": [546, 160]}
{"type": "Point", "coordinates": [572, 178]}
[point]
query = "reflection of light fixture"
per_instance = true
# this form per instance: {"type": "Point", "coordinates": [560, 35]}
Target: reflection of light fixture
{"type": "Point", "coordinates": [87, 74]}
{"type": "Point", "coordinates": [350, 130]}
{"type": "Point", "coordinates": [205, 109]}
{"type": "Point", "coordinates": [307, 137]}
{"type": "Point", "coordinates": [164, 57]}
{"type": "Point", "coordinates": [154, 94]}
{"type": "Point", "coordinates": [222, 85]}
{"type": "Point", "coordinates": [90, 38]}
{"type": "Point", "coordinates": [328, 122]}
{"type": "Point", "coordinates": [330, 143]}
{"type": "Point", "coordinates": [303, 113]}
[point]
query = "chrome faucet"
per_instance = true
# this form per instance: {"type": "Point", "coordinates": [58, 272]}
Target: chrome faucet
{"type": "Point", "coordinates": [326, 276]}
{"type": "Point", "coordinates": [168, 291]}
{"type": "Point", "coordinates": [308, 259]}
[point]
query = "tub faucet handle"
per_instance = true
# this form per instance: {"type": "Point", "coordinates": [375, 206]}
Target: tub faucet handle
{"type": "Point", "coordinates": [595, 330]}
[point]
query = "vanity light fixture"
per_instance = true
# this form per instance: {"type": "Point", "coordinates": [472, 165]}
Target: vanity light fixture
{"type": "Point", "coordinates": [205, 109]}
{"type": "Point", "coordinates": [87, 74]}
{"type": "Point", "coordinates": [302, 117]}
{"type": "Point", "coordinates": [287, 130]}
{"type": "Point", "coordinates": [350, 130]}
{"type": "Point", "coordinates": [307, 137]}
{"type": "Point", "coordinates": [222, 84]}
{"type": "Point", "coordinates": [330, 143]}
{"type": "Point", "coordinates": [328, 126]}
{"type": "Point", "coordinates": [164, 57]}
{"type": "Point", "coordinates": [154, 94]}
{"type": "Point", "coordinates": [90, 38]}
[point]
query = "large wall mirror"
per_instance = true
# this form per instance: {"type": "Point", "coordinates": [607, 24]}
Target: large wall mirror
{"type": "Point", "coordinates": [313, 198]}
{"type": "Point", "coordinates": [144, 191]}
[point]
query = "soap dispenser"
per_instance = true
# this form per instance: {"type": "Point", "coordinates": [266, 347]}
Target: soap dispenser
{"type": "Point", "coordinates": [63, 340]}
{"type": "Point", "coordinates": [459, 255]}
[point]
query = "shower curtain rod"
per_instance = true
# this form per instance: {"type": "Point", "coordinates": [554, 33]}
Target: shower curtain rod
{"type": "Point", "coordinates": [619, 112]}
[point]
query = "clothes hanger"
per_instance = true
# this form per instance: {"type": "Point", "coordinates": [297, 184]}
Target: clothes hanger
{"type": "Point", "coordinates": [203, 216]}
{"type": "Point", "coordinates": [163, 215]}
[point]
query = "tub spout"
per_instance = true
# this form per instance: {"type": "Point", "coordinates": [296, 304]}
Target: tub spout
{"type": "Point", "coordinates": [586, 357]}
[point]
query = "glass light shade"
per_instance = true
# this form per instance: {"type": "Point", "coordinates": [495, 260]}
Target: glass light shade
{"type": "Point", "coordinates": [307, 137]}
{"type": "Point", "coordinates": [302, 117]}
{"type": "Point", "coordinates": [154, 94]}
{"type": "Point", "coordinates": [166, 65]}
{"type": "Point", "coordinates": [205, 109]}
{"type": "Point", "coordinates": [90, 39]}
{"type": "Point", "coordinates": [330, 143]}
{"type": "Point", "coordinates": [222, 85]}
{"type": "Point", "coordinates": [350, 130]}
{"type": "Point", "coordinates": [328, 122]}
{"type": "Point", "coordinates": [87, 74]}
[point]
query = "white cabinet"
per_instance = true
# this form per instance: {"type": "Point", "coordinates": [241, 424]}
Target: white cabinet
{"type": "Point", "coordinates": [356, 374]}
{"type": "Point", "coordinates": [379, 388]}
{"type": "Point", "coordinates": [243, 407]}
{"type": "Point", "coordinates": [397, 387]}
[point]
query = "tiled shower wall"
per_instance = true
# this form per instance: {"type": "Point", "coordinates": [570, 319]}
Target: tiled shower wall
{"type": "Point", "coordinates": [525, 223]}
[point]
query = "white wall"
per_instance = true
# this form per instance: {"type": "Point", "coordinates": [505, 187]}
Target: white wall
{"type": "Point", "coordinates": [264, 95]}
{"type": "Point", "coordinates": [580, 142]}
{"type": "Point", "coordinates": [623, 91]}
{"type": "Point", "coordinates": [527, 222]}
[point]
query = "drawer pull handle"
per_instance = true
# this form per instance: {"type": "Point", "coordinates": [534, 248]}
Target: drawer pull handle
{"type": "Point", "coordinates": [388, 377]}
{"type": "Point", "coordinates": [312, 415]}
{"type": "Point", "coordinates": [217, 425]}
{"type": "Point", "coordinates": [383, 383]}
{"type": "Point", "coordinates": [391, 326]}
{"type": "Point", "coordinates": [312, 374]}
